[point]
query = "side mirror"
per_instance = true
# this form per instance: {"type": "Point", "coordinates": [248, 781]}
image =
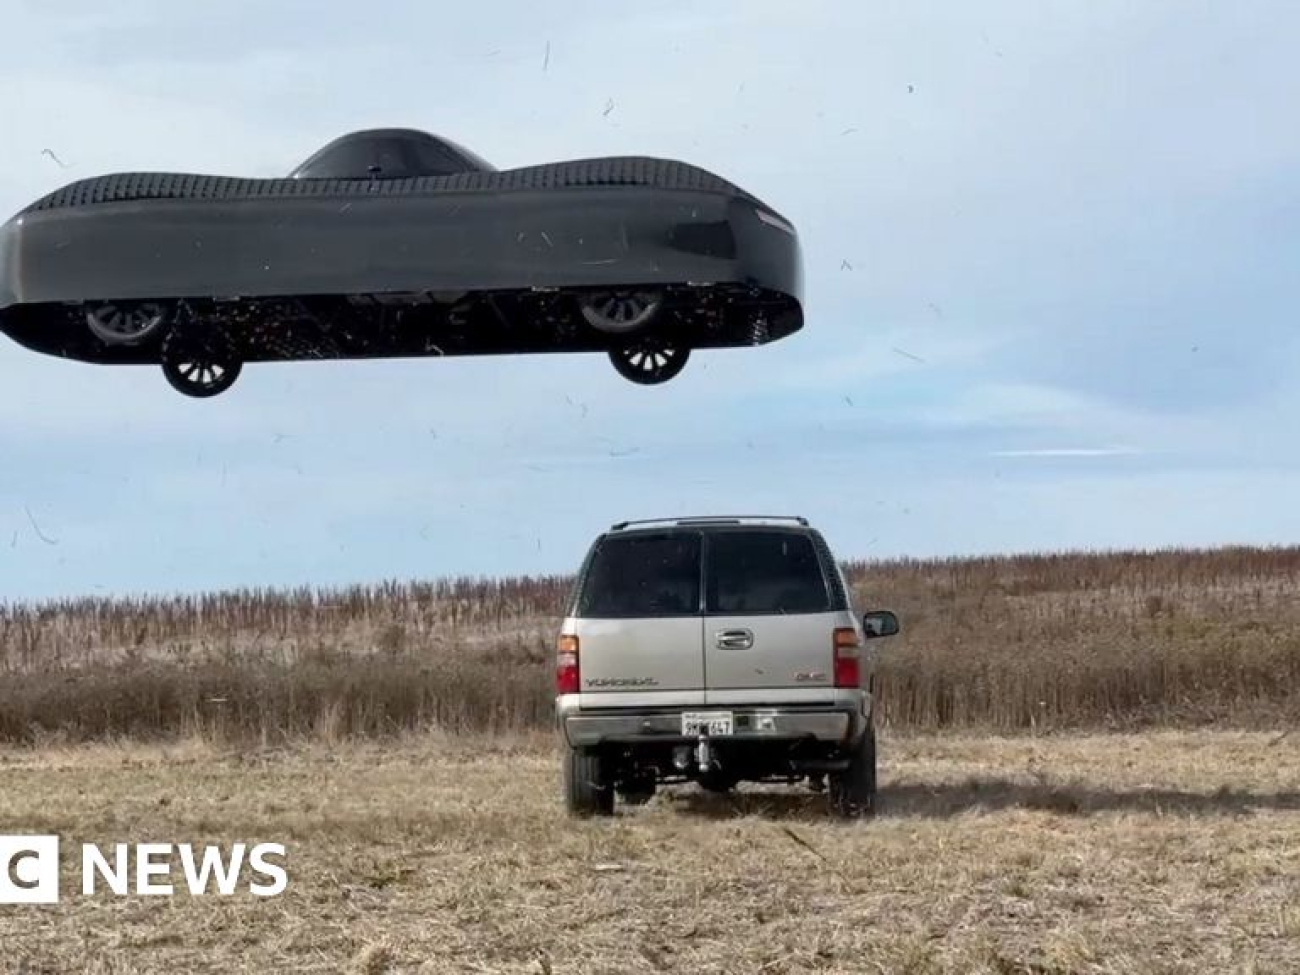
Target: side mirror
{"type": "Point", "coordinates": [878, 623]}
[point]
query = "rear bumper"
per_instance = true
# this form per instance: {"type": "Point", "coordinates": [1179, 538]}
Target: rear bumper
{"type": "Point", "coordinates": [842, 723]}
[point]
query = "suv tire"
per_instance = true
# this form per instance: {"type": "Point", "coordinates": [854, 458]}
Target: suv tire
{"type": "Point", "coordinates": [586, 793]}
{"type": "Point", "coordinates": [717, 782]}
{"type": "Point", "coordinates": [853, 791]}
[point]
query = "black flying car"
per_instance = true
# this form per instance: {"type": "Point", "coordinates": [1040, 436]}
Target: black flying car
{"type": "Point", "coordinates": [394, 242]}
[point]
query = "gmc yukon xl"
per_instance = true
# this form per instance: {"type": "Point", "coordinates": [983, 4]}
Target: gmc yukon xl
{"type": "Point", "coordinates": [715, 650]}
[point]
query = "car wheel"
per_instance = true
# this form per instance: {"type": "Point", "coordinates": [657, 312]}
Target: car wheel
{"type": "Point", "coordinates": [126, 322]}
{"type": "Point", "coordinates": [853, 791]}
{"type": "Point", "coordinates": [620, 312]}
{"type": "Point", "coordinates": [650, 361]}
{"type": "Point", "coordinates": [200, 364]}
{"type": "Point", "coordinates": [638, 795]}
{"type": "Point", "coordinates": [586, 793]}
{"type": "Point", "coordinates": [717, 782]}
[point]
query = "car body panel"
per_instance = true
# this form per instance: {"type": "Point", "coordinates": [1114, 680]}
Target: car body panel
{"type": "Point", "coordinates": [772, 613]}
{"type": "Point", "coordinates": [355, 242]}
{"type": "Point", "coordinates": [785, 657]}
{"type": "Point", "coordinates": [572, 227]}
{"type": "Point", "coordinates": [639, 662]}
{"type": "Point", "coordinates": [636, 617]}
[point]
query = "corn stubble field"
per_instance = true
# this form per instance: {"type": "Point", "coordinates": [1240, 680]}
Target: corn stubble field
{"type": "Point", "coordinates": [1010, 644]}
{"type": "Point", "coordinates": [1086, 767]}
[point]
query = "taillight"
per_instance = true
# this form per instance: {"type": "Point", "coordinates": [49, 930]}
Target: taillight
{"type": "Point", "coordinates": [847, 648]}
{"type": "Point", "coordinates": [566, 666]}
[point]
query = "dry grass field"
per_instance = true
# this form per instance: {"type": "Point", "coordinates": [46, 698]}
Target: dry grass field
{"type": "Point", "coordinates": [1037, 642]}
{"type": "Point", "coordinates": [1086, 768]}
{"type": "Point", "coordinates": [1163, 852]}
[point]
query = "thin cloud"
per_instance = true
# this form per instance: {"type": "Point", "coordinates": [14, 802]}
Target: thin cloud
{"type": "Point", "coordinates": [1070, 452]}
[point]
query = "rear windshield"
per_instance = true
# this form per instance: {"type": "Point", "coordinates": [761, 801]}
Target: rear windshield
{"type": "Point", "coordinates": [765, 572]}
{"type": "Point", "coordinates": [643, 575]}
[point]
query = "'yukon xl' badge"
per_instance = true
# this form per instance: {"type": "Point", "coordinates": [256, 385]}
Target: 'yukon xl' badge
{"type": "Point", "coordinates": [622, 682]}
{"type": "Point", "coordinates": [810, 676]}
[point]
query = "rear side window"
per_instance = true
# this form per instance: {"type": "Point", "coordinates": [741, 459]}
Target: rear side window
{"type": "Point", "coordinates": [765, 572]}
{"type": "Point", "coordinates": [643, 575]}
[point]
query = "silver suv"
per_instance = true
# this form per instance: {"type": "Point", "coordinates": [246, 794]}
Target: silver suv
{"type": "Point", "coordinates": [717, 650]}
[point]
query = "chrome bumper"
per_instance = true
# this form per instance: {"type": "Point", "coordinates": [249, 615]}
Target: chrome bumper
{"type": "Point", "coordinates": [586, 728]}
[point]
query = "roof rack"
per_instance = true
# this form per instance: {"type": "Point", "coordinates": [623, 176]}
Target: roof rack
{"type": "Point", "coordinates": [713, 520]}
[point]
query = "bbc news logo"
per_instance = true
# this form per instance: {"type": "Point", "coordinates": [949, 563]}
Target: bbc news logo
{"type": "Point", "coordinates": [29, 869]}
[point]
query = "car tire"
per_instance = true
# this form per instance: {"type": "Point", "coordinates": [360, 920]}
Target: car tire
{"type": "Point", "coordinates": [636, 791]}
{"type": "Point", "coordinates": [649, 361]}
{"type": "Point", "coordinates": [126, 322]}
{"type": "Point", "coordinates": [638, 798]}
{"type": "Point", "coordinates": [586, 791]}
{"type": "Point", "coordinates": [716, 782]}
{"type": "Point", "coordinates": [853, 791]}
{"type": "Point", "coordinates": [621, 312]}
{"type": "Point", "coordinates": [200, 363]}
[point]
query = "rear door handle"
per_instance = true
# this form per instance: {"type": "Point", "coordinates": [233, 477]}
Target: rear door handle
{"type": "Point", "coordinates": [735, 639]}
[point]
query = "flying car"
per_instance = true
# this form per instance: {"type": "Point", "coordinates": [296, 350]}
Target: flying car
{"type": "Point", "coordinates": [399, 243]}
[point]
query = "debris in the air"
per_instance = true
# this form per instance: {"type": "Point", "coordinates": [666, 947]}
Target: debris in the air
{"type": "Point", "coordinates": [50, 153]}
{"type": "Point", "coordinates": [908, 355]}
{"type": "Point", "coordinates": [845, 266]}
{"type": "Point", "coordinates": [609, 107]}
{"type": "Point", "coordinates": [546, 61]}
{"type": "Point", "coordinates": [37, 528]}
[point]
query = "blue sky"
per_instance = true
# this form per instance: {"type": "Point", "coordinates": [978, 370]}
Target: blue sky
{"type": "Point", "coordinates": [1050, 255]}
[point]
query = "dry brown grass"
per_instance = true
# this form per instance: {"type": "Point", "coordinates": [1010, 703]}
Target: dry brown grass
{"type": "Point", "coordinates": [1171, 852]}
{"type": "Point", "coordinates": [1050, 641]}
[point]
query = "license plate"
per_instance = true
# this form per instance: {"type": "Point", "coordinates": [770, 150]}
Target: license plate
{"type": "Point", "coordinates": [711, 723]}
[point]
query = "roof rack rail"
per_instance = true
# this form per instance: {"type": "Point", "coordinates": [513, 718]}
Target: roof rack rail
{"type": "Point", "coordinates": [711, 520]}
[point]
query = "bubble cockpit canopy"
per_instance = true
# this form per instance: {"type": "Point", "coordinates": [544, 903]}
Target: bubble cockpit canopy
{"type": "Point", "coordinates": [390, 154]}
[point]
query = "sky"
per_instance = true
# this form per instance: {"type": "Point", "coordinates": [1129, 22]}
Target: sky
{"type": "Point", "coordinates": [1050, 256]}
